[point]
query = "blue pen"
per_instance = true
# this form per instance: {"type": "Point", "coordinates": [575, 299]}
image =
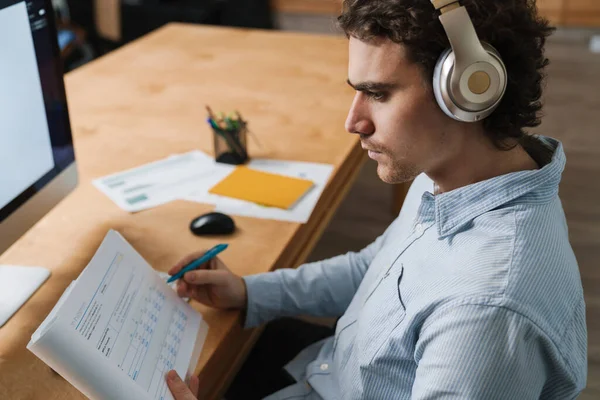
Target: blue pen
{"type": "Point", "coordinates": [209, 255]}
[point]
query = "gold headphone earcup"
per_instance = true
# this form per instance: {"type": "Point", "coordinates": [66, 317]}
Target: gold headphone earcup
{"type": "Point", "coordinates": [479, 92]}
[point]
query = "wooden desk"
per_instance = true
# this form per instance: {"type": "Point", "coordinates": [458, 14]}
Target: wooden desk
{"type": "Point", "coordinates": [146, 101]}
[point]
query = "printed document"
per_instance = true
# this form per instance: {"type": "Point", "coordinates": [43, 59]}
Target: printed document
{"type": "Point", "coordinates": [119, 328]}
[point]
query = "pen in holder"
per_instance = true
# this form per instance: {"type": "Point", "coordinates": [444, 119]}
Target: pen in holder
{"type": "Point", "coordinates": [229, 135]}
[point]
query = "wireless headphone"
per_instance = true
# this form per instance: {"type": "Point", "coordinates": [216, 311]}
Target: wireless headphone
{"type": "Point", "coordinates": [469, 78]}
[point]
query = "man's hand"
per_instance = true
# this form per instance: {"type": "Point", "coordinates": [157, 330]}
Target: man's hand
{"type": "Point", "coordinates": [213, 284]}
{"type": "Point", "coordinates": [178, 388]}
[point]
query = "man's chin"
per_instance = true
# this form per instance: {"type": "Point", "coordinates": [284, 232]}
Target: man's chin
{"type": "Point", "coordinates": [395, 176]}
{"type": "Point", "coordinates": [385, 174]}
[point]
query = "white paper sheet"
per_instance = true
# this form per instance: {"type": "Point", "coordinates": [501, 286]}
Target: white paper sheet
{"type": "Point", "coordinates": [300, 212]}
{"type": "Point", "coordinates": [121, 311]}
{"type": "Point", "coordinates": [162, 181]}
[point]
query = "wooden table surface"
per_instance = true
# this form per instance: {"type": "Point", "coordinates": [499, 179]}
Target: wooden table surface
{"type": "Point", "coordinates": [146, 101]}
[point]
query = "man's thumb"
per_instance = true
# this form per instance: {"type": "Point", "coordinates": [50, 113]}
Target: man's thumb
{"type": "Point", "coordinates": [178, 388]}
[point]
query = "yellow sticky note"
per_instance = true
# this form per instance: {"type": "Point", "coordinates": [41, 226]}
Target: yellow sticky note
{"type": "Point", "coordinates": [264, 188]}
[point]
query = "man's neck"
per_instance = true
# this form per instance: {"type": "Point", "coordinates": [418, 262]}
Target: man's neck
{"type": "Point", "coordinates": [477, 161]}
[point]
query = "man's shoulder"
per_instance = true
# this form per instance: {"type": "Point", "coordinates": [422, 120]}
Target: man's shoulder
{"type": "Point", "coordinates": [543, 281]}
{"type": "Point", "coordinates": [542, 254]}
{"type": "Point", "coordinates": [535, 234]}
{"type": "Point", "coordinates": [521, 255]}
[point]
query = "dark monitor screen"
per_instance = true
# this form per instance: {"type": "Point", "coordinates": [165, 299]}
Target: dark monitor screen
{"type": "Point", "coordinates": [35, 133]}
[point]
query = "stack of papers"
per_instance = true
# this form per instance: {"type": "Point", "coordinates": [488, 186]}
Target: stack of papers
{"type": "Point", "coordinates": [196, 177]}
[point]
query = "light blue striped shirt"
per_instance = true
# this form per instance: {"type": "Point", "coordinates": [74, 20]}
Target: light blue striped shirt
{"type": "Point", "coordinates": [470, 294]}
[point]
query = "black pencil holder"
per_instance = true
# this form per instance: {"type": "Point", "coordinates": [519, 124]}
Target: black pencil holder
{"type": "Point", "coordinates": [231, 145]}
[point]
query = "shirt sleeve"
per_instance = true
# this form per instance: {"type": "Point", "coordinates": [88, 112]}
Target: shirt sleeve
{"type": "Point", "coordinates": [320, 289]}
{"type": "Point", "coordinates": [480, 352]}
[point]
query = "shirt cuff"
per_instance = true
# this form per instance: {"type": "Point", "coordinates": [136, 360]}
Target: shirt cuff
{"type": "Point", "coordinates": [264, 298]}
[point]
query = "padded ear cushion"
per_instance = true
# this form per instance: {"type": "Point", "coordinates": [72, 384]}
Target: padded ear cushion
{"type": "Point", "coordinates": [441, 78]}
{"type": "Point", "coordinates": [437, 82]}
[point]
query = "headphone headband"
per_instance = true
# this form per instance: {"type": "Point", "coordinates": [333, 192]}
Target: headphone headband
{"type": "Point", "coordinates": [438, 4]}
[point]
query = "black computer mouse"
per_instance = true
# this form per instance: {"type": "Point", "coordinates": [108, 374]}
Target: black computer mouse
{"type": "Point", "coordinates": [213, 223]}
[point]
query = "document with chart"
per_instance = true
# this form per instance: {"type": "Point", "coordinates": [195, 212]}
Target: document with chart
{"type": "Point", "coordinates": [119, 328]}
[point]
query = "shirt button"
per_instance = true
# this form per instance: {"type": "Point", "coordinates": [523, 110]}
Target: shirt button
{"type": "Point", "coordinates": [324, 367]}
{"type": "Point", "coordinates": [419, 228]}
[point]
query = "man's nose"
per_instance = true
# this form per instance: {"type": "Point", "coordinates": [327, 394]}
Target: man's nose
{"type": "Point", "coordinates": [359, 120]}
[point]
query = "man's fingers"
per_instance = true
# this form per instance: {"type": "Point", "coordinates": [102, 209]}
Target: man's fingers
{"type": "Point", "coordinates": [200, 294]}
{"type": "Point", "coordinates": [185, 261]}
{"type": "Point", "coordinates": [178, 388]}
{"type": "Point", "coordinates": [182, 288]}
{"type": "Point", "coordinates": [182, 263]}
{"type": "Point", "coordinates": [194, 385]}
{"type": "Point", "coordinates": [197, 293]}
{"type": "Point", "coordinates": [205, 277]}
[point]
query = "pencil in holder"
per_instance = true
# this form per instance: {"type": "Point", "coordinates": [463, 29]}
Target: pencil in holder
{"type": "Point", "coordinates": [230, 140]}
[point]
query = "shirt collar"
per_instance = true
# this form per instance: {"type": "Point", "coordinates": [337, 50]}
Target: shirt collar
{"type": "Point", "coordinates": [458, 207]}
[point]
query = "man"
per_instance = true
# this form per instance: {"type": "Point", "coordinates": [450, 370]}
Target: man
{"type": "Point", "coordinates": [478, 294]}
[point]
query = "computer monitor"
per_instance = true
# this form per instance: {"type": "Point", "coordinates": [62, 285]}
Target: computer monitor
{"type": "Point", "coordinates": [37, 161]}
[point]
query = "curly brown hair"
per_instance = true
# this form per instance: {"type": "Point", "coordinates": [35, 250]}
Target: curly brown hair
{"type": "Point", "coordinates": [513, 27]}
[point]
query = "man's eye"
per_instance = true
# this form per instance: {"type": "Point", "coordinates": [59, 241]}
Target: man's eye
{"type": "Point", "coordinates": [377, 96]}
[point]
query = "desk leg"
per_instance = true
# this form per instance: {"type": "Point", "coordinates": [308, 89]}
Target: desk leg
{"type": "Point", "coordinates": [399, 192]}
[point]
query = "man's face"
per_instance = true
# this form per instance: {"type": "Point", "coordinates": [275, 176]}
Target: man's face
{"type": "Point", "coordinates": [394, 113]}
